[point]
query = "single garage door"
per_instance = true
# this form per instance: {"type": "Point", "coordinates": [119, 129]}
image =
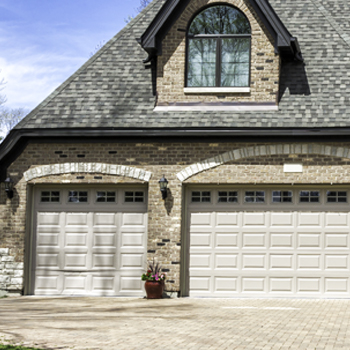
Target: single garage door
{"type": "Point", "coordinates": [90, 241]}
{"type": "Point", "coordinates": [269, 241]}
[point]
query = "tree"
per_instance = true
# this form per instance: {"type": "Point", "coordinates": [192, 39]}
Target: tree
{"type": "Point", "coordinates": [143, 4]}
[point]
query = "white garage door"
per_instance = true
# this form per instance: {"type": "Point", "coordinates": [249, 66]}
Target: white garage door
{"type": "Point", "coordinates": [283, 242]}
{"type": "Point", "coordinates": [90, 241]}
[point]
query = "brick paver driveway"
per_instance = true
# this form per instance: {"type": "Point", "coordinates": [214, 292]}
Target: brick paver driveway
{"type": "Point", "coordinates": [115, 323]}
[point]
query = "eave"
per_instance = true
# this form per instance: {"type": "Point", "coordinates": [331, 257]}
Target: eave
{"type": "Point", "coordinates": [17, 140]}
{"type": "Point", "coordinates": [285, 44]}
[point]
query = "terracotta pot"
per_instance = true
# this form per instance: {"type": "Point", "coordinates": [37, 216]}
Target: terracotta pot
{"type": "Point", "coordinates": [154, 290]}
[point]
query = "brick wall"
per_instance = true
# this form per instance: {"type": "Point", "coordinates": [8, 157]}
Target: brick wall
{"type": "Point", "coordinates": [164, 229]}
{"type": "Point", "coordinates": [265, 64]}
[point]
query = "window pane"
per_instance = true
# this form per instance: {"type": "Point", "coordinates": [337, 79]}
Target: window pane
{"type": "Point", "coordinates": [220, 20]}
{"type": "Point", "coordinates": [201, 62]}
{"type": "Point", "coordinates": [235, 62]}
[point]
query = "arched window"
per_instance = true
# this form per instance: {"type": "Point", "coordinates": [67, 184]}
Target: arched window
{"type": "Point", "coordinates": [218, 53]}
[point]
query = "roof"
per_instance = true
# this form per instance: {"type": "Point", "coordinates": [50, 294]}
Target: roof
{"type": "Point", "coordinates": [114, 90]}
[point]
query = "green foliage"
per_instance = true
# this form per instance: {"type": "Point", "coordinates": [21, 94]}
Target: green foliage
{"type": "Point", "coordinates": [154, 272]}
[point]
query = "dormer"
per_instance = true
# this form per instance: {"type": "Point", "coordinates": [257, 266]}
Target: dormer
{"type": "Point", "coordinates": [213, 55]}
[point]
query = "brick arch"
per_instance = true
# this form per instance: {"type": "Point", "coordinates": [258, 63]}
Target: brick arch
{"type": "Point", "coordinates": [100, 168]}
{"type": "Point", "coordinates": [262, 151]}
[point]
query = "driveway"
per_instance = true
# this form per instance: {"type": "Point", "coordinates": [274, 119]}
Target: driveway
{"type": "Point", "coordinates": [118, 323]}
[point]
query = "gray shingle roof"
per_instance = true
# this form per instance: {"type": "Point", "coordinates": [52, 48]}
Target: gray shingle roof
{"type": "Point", "coordinates": [114, 90]}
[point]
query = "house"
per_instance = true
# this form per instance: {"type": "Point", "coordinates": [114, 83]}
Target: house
{"type": "Point", "coordinates": [242, 105]}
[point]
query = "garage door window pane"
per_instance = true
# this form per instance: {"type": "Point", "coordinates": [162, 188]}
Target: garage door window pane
{"type": "Point", "coordinates": [282, 196]}
{"type": "Point", "coordinates": [201, 196]}
{"type": "Point", "coordinates": [50, 196]}
{"type": "Point", "coordinates": [228, 197]}
{"type": "Point", "coordinates": [105, 197]}
{"type": "Point", "coordinates": [77, 197]}
{"type": "Point", "coordinates": [134, 197]}
{"type": "Point", "coordinates": [309, 196]}
{"type": "Point", "coordinates": [254, 197]}
{"type": "Point", "coordinates": [337, 197]}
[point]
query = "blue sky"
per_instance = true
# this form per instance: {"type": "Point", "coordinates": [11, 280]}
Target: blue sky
{"type": "Point", "coordinates": [42, 42]}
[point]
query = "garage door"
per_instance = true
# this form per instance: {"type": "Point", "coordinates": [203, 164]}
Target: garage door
{"type": "Point", "coordinates": [283, 242]}
{"type": "Point", "coordinates": [90, 241]}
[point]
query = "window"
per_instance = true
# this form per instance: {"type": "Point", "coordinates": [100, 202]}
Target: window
{"type": "Point", "coordinates": [336, 197]}
{"type": "Point", "coordinates": [228, 197]}
{"type": "Point", "coordinates": [201, 197]}
{"type": "Point", "coordinates": [219, 48]}
{"type": "Point", "coordinates": [309, 196]}
{"type": "Point", "coordinates": [134, 197]}
{"type": "Point", "coordinates": [105, 197]}
{"type": "Point", "coordinates": [77, 196]}
{"type": "Point", "coordinates": [254, 197]}
{"type": "Point", "coordinates": [282, 196]}
{"type": "Point", "coordinates": [50, 196]}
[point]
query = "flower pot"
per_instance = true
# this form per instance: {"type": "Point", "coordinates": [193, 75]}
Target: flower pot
{"type": "Point", "coordinates": [154, 290]}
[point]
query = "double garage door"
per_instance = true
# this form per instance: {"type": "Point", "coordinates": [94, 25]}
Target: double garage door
{"type": "Point", "coordinates": [272, 241]}
{"type": "Point", "coordinates": [90, 241]}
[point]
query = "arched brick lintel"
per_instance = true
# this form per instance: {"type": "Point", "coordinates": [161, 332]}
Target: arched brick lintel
{"type": "Point", "coordinates": [99, 168]}
{"type": "Point", "coordinates": [262, 151]}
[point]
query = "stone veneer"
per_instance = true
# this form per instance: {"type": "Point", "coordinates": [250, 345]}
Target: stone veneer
{"type": "Point", "coordinates": [226, 163]}
{"type": "Point", "coordinates": [11, 273]}
{"type": "Point", "coordinates": [265, 64]}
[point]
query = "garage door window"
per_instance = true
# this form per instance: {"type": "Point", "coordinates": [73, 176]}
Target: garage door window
{"type": "Point", "coordinates": [254, 197]}
{"type": "Point", "coordinates": [134, 197]}
{"type": "Point", "coordinates": [337, 197]}
{"type": "Point", "coordinates": [105, 197]}
{"type": "Point", "coordinates": [50, 196]}
{"type": "Point", "coordinates": [201, 196]}
{"type": "Point", "coordinates": [228, 197]}
{"type": "Point", "coordinates": [77, 196]}
{"type": "Point", "coordinates": [282, 196]}
{"type": "Point", "coordinates": [309, 196]}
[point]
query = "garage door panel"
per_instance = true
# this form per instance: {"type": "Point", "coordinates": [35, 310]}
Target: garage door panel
{"type": "Point", "coordinates": [201, 219]}
{"type": "Point", "coordinates": [282, 285]}
{"type": "Point", "coordinates": [226, 261]}
{"type": "Point", "coordinates": [132, 239]}
{"type": "Point", "coordinates": [309, 285]}
{"type": "Point", "coordinates": [77, 219]}
{"type": "Point", "coordinates": [130, 284]}
{"type": "Point", "coordinates": [281, 240]}
{"type": "Point", "coordinates": [47, 260]}
{"type": "Point", "coordinates": [200, 261]}
{"type": "Point", "coordinates": [226, 219]}
{"type": "Point", "coordinates": [336, 219]}
{"type": "Point", "coordinates": [282, 219]}
{"type": "Point", "coordinates": [253, 284]}
{"type": "Point", "coordinates": [103, 284]}
{"type": "Point", "coordinates": [201, 284]}
{"type": "Point", "coordinates": [309, 219]}
{"type": "Point", "coordinates": [226, 240]}
{"type": "Point", "coordinates": [104, 219]}
{"type": "Point", "coordinates": [254, 240]}
{"type": "Point", "coordinates": [254, 219]}
{"type": "Point", "coordinates": [227, 285]}
{"type": "Point", "coordinates": [75, 261]}
{"type": "Point", "coordinates": [104, 239]}
{"type": "Point", "coordinates": [309, 240]}
{"type": "Point", "coordinates": [337, 285]}
{"type": "Point", "coordinates": [75, 283]}
{"type": "Point", "coordinates": [48, 239]}
{"type": "Point", "coordinates": [129, 219]}
{"type": "Point", "coordinates": [309, 262]}
{"type": "Point", "coordinates": [132, 261]}
{"type": "Point", "coordinates": [76, 240]}
{"type": "Point", "coordinates": [282, 261]}
{"type": "Point", "coordinates": [253, 261]}
{"type": "Point", "coordinates": [103, 261]}
{"type": "Point", "coordinates": [337, 262]}
{"type": "Point", "coordinates": [337, 240]}
{"type": "Point", "coordinates": [48, 219]}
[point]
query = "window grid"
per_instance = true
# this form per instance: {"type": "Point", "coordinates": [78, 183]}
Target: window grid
{"type": "Point", "coordinates": [50, 196]}
{"type": "Point", "coordinates": [77, 196]}
{"type": "Point", "coordinates": [309, 196]}
{"type": "Point", "coordinates": [337, 197]}
{"type": "Point", "coordinates": [105, 197]}
{"type": "Point", "coordinates": [282, 196]}
{"type": "Point", "coordinates": [254, 197]}
{"type": "Point", "coordinates": [228, 197]}
{"type": "Point", "coordinates": [134, 197]}
{"type": "Point", "coordinates": [201, 196]}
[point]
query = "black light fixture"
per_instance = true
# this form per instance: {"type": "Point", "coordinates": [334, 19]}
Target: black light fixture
{"type": "Point", "coordinates": [163, 184]}
{"type": "Point", "coordinates": [9, 187]}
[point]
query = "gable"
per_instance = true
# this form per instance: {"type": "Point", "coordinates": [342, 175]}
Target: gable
{"type": "Point", "coordinates": [262, 90]}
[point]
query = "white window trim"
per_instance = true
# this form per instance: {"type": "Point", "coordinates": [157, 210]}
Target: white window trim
{"type": "Point", "coordinates": [216, 90]}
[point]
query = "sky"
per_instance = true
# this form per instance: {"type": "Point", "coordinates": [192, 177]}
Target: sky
{"type": "Point", "coordinates": [43, 42]}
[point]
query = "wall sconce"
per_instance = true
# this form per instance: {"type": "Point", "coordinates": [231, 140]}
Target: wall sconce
{"type": "Point", "coordinates": [163, 184]}
{"type": "Point", "coordinates": [9, 187]}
